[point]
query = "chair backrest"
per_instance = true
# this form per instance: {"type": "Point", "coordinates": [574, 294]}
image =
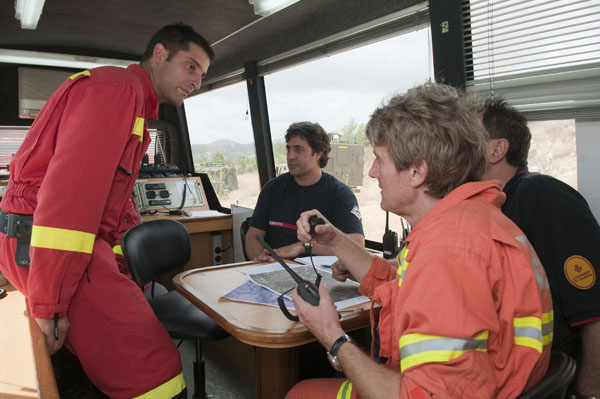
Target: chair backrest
{"type": "Point", "coordinates": [243, 230]}
{"type": "Point", "coordinates": [155, 247]}
{"type": "Point", "coordinates": [556, 381]}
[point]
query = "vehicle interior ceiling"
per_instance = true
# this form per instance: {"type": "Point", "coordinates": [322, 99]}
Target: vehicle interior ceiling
{"type": "Point", "coordinates": [117, 29]}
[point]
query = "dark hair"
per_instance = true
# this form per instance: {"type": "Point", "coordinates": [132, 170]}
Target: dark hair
{"type": "Point", "coordinates": [432, 123]}
{"type": "Point", "coordinates": [504, 122]}
{"type": "Point", "coordinates": [317, 139]}
{"type": "Point", "coordinates": [177, 37]}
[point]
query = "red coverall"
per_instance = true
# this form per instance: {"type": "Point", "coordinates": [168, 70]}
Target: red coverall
{"type": "Point", "coordinates": [75, 172]}
{"type": "Point", "coordinates": [468, 311]}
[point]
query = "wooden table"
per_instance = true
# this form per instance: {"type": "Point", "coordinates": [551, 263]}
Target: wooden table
{"type": "Point", "coordinates": [275, 338]}
{"type": "Point", "coordinates": [26, 370]}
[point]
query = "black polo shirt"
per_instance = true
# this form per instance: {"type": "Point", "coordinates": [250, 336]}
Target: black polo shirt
{"type": "Point", "coordinates": [561, 227]}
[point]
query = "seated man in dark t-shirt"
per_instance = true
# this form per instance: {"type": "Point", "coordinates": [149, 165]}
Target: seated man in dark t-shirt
{"type": "Point", "coordinates": [304, 187]}
{"type": "Point", "coordinates": [563, 231]}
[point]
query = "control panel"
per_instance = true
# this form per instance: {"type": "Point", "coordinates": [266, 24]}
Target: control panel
{"type": "Point", "coordinates": [168, 193]}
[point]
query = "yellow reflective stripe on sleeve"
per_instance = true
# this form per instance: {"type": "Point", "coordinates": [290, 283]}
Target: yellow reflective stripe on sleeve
{"type": "Point", "coordinates": [167, 390]}
{"type": "Point", "coordinates": [138, 128]}
{"type": "Point", "coordinates": [74, 76]}
{"type": "Point", "coordinates": [528, 332]}
{"type": "Point", "coordinates": [417, 349]}
{"type": "Point", "coordinates": [345, 390]}
{"type": "Point", "coordinates": [62, 239]}
{"type": "Point", "coordinates": [118, 250]}
{"type": "Point", "coordinates": [402, 265]}
{"type": "Point", "coordinates": [547, 327]}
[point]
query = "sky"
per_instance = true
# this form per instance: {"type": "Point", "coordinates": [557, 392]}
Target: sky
{"type": "Point", "coordinates": [331, 91]}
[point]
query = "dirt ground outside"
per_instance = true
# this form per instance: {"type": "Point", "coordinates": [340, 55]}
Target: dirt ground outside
{"type": "Point", "coordinates": [552, 152]}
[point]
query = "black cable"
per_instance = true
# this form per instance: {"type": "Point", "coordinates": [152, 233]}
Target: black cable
{"type": "Point", "coordinates": [319, 276]}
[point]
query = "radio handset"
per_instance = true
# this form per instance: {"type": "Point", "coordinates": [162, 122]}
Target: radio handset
{"type": "Point", "coordinates": [307, 290]}
{"type": "Point", "coordinates": [313, 221]}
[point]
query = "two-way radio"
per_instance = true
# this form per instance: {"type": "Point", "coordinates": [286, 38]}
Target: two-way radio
{"type": "Point", "coordinates": [390, 239]}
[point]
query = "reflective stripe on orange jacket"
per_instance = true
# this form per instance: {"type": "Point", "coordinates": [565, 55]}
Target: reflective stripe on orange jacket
{"type": "Point", "coordinates": [468, 312]}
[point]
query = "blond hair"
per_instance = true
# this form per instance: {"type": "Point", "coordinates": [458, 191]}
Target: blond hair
{"type": "Point", "coordinates": [432, 123]}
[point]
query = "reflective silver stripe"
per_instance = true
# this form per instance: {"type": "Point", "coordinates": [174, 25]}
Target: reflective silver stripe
{"type": "Point", "coordinates": [547, 328]}
{"type": "Point", "coordinates": [442, 344]}
{"type": "Point", "coordinates": [529, 332]}
{"type": "Point", "coordinates": [536, 264]}
{"type": "Point", "coordinates": [345, 391]}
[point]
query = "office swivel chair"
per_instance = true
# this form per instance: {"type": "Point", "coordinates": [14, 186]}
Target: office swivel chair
{"type": "Point", "coordinates": [151, 249]}
{"type": "Point", "coordinates": [556, 381]}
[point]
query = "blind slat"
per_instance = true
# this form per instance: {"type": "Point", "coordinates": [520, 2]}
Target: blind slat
{"type": "Point", "coordinates": [539, 55]}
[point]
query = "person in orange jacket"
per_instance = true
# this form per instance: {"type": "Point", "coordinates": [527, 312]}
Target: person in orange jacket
{"type": "Point", "coordinates": [69, 201]}
{"type": "Point", "coordinates": [467, 311]}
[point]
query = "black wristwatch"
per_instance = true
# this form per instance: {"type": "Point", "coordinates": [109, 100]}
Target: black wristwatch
{"type": "Point", "coordinates": [332, 354]}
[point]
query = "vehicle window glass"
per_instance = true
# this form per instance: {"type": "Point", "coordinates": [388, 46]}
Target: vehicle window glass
{"type": "Point", "coordinates": [553, 150]}
{"type": "Point", "coordinates": [340, 92]}
{"type": "Point", "coordinates": [11, 138]}
{"type": "Point", "coordinates": [223, 143]}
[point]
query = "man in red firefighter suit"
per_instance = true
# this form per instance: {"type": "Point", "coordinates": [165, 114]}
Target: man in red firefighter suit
{"type": "Point", "coordinates": [466, 310]}
{"type": "Point", "coordinates": [69, 201]}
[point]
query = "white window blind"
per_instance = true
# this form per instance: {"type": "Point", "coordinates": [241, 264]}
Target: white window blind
{"type": "Point", "coordinates": [542, 56]}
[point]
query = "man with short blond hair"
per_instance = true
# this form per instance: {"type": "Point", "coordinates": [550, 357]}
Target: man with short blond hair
{"type": "Point", "coordinates": [466, 312]}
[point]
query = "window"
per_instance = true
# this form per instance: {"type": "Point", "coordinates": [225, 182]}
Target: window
{"type": "Point", "coordinates": [11, 138]}
{"type": "Point", "coordinates": [223, 143]}
{"type": "Point", "coordinates": [541, 56]}
{"type": "Point", "coordinates": [340, 92]}
{"type": "Point", "coordinates": [553, 150]}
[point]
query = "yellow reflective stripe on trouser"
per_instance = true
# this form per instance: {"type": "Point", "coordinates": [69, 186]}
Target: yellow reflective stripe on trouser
{"type": "Point", "coordinates": [345, 390]}
{"type": "Point", "coordinates": [167, 390]}
{"type": "Point", "coordinates": [138, 128]}
{"type": "Point", "coordinates": [417, 349]}
{"type": "Point", "coordinates": [62, 239]}
{"type": "Point", "coordinates": [402, 265]}
{"type": "Point", "coordinates": [86, 73]}
{"type": "Point", "coordinates": [118, 250]}
{"type": "Point", "coordinates": [547, 327]}
{"type": "Point", "coordinates": [528, 332]}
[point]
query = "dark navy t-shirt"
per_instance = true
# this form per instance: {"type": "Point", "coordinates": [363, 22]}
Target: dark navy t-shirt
{"type": "Point", "coordinates": [566, 237]}
{"type": "Point", "coordinates": [282, 200]}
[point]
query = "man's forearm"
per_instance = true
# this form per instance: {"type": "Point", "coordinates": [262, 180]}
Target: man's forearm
{"type": "Point", "coordinates": [588, 381]}
{"type": "Point", "coordinates": [370, 379]}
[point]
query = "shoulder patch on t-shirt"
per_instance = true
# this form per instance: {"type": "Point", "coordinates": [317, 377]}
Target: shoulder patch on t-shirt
{"type": "Point", "coordinates": [356, 212]}
{"type": "Point", "coordinates": [579, 272]}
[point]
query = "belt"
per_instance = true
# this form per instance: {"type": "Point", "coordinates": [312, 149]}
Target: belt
{"type": "Point", "coordinates": [19, 226]}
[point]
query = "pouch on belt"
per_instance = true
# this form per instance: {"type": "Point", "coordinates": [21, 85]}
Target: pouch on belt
{"type": "Point", "coordinates": [19, 226]}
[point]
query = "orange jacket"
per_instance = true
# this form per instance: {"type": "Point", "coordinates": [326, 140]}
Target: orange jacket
{"type": "Point", "coordinates": [468, 312]}
{"type": "Point", "coordinates": [75, 172]}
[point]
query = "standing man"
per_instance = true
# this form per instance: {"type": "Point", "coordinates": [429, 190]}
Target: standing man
{"type": "Point", "coordinates": [69, 201]}
{"type": "Point", "coordinates": [304, 187]}
{"type": "Point", "coordinates": [467, 311]}
{"type": "Point", "coordinates": [561, 227]}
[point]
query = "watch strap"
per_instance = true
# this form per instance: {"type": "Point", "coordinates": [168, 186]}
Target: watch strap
{"type": "Point", "coordinates": [307, 249]}
{"type": "Point", "coordinates": [338, 344]}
